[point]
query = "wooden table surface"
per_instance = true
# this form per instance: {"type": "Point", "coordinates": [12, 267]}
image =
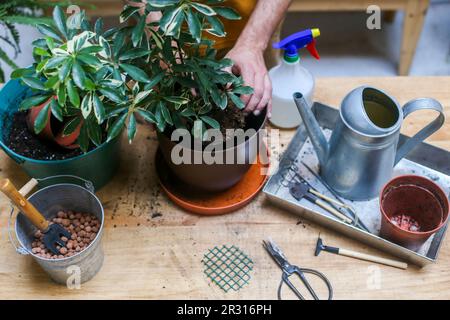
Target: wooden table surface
{"type": "Point", "coordinates": [148, 256]}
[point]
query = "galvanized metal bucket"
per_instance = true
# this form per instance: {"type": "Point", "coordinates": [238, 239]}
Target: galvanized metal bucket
{"type": "Point", "coordinates": [80, 267]}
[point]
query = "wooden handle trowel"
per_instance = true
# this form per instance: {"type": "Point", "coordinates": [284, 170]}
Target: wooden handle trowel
{"type": "Point", "coordinates": [52, 232]}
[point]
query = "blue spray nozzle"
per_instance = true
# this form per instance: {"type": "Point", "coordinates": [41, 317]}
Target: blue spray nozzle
{"type": "Point", "coordinates": [299, 40]}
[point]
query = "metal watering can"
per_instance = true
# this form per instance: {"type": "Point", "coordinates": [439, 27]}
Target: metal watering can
{"type": "Point", "coordinates": [363, 149]}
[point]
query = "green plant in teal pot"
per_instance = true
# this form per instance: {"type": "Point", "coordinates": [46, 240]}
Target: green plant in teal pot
{"type": "Point", "coordinates": [73, 102]}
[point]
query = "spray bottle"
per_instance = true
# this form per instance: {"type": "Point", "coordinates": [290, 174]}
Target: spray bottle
{"type": "Point", "coordinates": [289, 77]}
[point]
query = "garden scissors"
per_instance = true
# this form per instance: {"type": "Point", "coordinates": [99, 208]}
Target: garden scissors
{"type": "Point", "coordinates": [289, 270]}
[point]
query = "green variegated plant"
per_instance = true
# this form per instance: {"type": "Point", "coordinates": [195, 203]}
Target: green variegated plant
{"type": "Point", "coordinates": [80, 77]}
{"type": "Point", "coordinates": [164, 71]}
{"type": "Point", "coordinates": [190, 84]}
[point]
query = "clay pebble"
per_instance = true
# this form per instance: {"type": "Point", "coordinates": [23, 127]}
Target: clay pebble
{"type": "Point", "coordinates": [83, 228]}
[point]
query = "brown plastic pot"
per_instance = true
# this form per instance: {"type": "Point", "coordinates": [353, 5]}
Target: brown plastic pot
{"type": "Point", "coordinates": [49, 132]}
{"type": "Point", "coordinates": [419, 198]}
{"type": "Point", "coordinates": [216, 177]}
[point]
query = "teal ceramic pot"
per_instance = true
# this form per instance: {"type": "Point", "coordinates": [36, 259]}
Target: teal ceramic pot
{"type": "Point", "coordinates": [98, 165]}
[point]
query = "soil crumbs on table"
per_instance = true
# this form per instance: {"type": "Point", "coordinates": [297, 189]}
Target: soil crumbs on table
{"type": "Point", "coordinates": [25, 143]}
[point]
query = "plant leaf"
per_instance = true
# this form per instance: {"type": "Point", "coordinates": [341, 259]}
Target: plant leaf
{"type": "Point", "coordinates": [141, 96]}
{"type": "Point", "coordinates": [111, 83]}
{"type": "Point", "coordinates": [195, 27]}
{"type": "Point", "coordinates": [86, 106]}
{"type": "Point", "coordinates": [41, 52]}
{"type": "Point", "coordinates": [219, 99]}
{"type": "Point", "coordinates": [65, 69]}
{"type": "Point", "coordinates": [174, 29]}
{"type": "Point", "coordinates": [42, 119]}
{"type": "Point", "coordinates": [217, 26]}
{"type": "Point", "coordinates": [99, 109]}
{"type": "Point", "coordinates": [236, 100]}
{"type": "Point", "coordinates": [32, 102]}
{"type": "Point", "coordinates": [59, 19]}
{"type": "Point", "coordinates": [94, 131]}
{"type": "Point", "coordinates": [61, 93]}
{"type": "Point", "coordinates": [19, 73]}
{"type": "Point", "coordinates": [133, 54]}
{"type": "Point", "coordinates": [188, 112]}
{"type": "Point", "coordinates": [243, 90]}
{"type": "Point", "coordinates": [147, 115]}
{"type": "Point", "coordinates": [157, 38]}
{"type": "Point", "coordinates": [135, 72]}
{"type": "Point", "coordinates": [48, 31]}
{"type": "Point", "coordinates": [83, 139]}
{"type": "Point", "coordinates": [138, 31]}
{"type": "Point", "coordinates": [78, 74]}
{"type": "Point", "coordinates": [154, 81]}
{"type": "Point", "coordinates": [162, 3]}
{"type": "Point", "coordinates": [55, 62]}
{"type": "Point", "coordinates": [106, 47]}
{"type": "Point", "coordinates": [165, 112]}
{"type": "Point", "coordinates": [56, 110]}
{"type": "Point", "coordinates": [91, 49]}
{"type": "Point", "coordinates": [6, 59]}
{"type": "Point", "coordinates": [112, 95]}
{"type": "Point", "coordinates": [203, 8]}
{"type": "Point", "coordinates": [213, 123]}
{"type": "Point", "coordinates": [168, 17]}
{"type": "Point", "coordinates": [71, 126]}
{"type": "Point", "coordinates": [117, 126]}
{"type": "Point", "coordinates": [52, 83]}
{"type": "Point", "coordinates": [177, 100]}
{"type": "Point", "coordinates": [98, 27]}
{"type": "Point", "coordinates": [89, 60]}
{"type": "Point", "coordinates": [72, 92]}
{"type": "Point", "coordinates": [131, 128]}
{"type": "Point", "coordinates": [34, 83]}
{"type": "Point", "coordinates": [227, 13]}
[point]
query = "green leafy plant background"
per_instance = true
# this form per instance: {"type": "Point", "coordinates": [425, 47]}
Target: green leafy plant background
{"type": "Point", "coordinates": [166, 72]}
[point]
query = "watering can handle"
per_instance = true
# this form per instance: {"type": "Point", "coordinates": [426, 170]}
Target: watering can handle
{"type": "Point", "coordinates": [432, 127]}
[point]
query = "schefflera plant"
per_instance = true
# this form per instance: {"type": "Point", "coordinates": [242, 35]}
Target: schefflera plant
{"type": "Point", "coordinates": [77, 75]}
{"type": "Point", "coordinates": [191, 84]}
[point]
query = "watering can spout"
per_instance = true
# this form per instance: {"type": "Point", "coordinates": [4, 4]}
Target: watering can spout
{"type": "Point", "coordinates": [312, 128]}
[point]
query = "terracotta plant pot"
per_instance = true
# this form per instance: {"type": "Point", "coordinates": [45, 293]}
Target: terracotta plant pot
{"type": "Point", "coordinates": [216, 177]}
{"type": "Point", "coordinates": [49, 132]}
{"type": "Point", "coordinates": [421, 202]}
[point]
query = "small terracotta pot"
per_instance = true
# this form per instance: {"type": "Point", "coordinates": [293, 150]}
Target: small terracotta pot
{"type": "Point", "coordinates": [48, 132]}
{"type": "Point", "coordinates": [418, 198]}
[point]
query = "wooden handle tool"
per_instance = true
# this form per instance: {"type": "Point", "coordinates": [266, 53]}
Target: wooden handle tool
{"type": "Point", "coordinates": [36, 218]}
{"type": "Point", "coordinates": [333, 211]}
{"type": "Point", "coordinates": [371, 258]}
{"type": "Point", "coordinates": [357, 255]}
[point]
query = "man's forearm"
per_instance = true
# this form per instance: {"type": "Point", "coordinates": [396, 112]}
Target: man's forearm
{"type": "Point", "coordinates": [262, 23]}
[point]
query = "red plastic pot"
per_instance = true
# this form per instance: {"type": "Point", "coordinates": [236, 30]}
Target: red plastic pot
{"type": "Point", "coordinates": [418, 198]}
{"type": "Point", "coordinates": [49, 133]}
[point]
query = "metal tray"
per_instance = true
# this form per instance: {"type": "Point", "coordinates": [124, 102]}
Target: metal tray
{"type": "Point", "coordinates": [430, 160]}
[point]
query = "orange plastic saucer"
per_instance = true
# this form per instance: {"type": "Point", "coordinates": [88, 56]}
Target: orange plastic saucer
{"type": "Point", "coordinates": [205, 203]}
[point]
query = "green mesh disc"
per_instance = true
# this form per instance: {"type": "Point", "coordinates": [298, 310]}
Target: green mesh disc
{"type": "Point", "coordinates": [228, 267]}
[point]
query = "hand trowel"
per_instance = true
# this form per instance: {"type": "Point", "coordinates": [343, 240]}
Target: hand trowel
{"type": "Point", "coordinates": [52, 232]}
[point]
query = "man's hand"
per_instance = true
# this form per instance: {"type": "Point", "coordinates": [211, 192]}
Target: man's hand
{"type": "Point", "coordinates": [248, 53]}
{"type": "Point", "coordinates": [249, 63]}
